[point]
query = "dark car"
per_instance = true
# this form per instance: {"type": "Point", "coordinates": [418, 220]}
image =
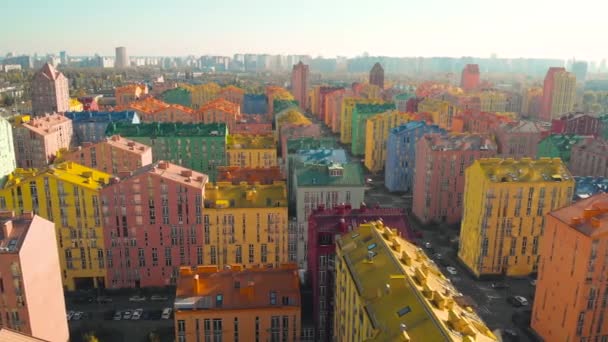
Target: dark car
{"type": "Point", "coordinates": [500, 286]}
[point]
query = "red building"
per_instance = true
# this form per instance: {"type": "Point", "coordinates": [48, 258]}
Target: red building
{"type": "Point", "coordinates": [89, 103]}
{"type": "Point", "coordinates": [251, 175]}
{"type": "Point", "coordinates": [299, 84]}
{"type": "Point", "coordinates": [152, 224]}
{"type": "Point", "coordinates": [470, 77]}
{"type": "Point", "coordinates": [376, 76]}
{"type": "Point", "coordinates": [577, 123]}
{"type": "Point", "coordinates": [323, 226]}
{"type": "Point", "coordinates": [589, 158]}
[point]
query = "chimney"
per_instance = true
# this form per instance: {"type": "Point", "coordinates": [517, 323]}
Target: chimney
{"type": "Point", "coordinates": [186, 173]}
{"type": "Point", "coordinates": [115, 138]}
{"type": "Point", "coordinates": [163, 165]}
{"type": "Point", "coordinates": [7, 228]}
{"type": "Point", "coordinates": [196, 284]}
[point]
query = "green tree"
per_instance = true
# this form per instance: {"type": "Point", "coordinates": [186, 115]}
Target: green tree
{"type": "Point", "coordinates": [90, 337]}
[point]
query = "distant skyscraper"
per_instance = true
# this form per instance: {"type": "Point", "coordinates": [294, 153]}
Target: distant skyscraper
{"type": "Point", "coordinates": [579, 69]}
{"type": "Point", "coordinates": [50, 91]}
{"type": "Point", "coordinates": [376, 75]}
{"type": "Point", "coordinates": [558, 93]}
{"type": "Point", "coordinates": [470, 77]}
{"type": "Point", "coordinates": [299, 83]}
{"type": "Point", "coordinates": [122, 60]}
{"type": "Point", "coordinates": [63, 57]}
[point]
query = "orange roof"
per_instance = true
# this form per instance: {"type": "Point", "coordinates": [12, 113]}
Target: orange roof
{"type": "Point", "coordinates": [182, 108]}
{"type": "Point", "coordinates": [237, 287]}
{"type": "Point", "coordinates": [148, 105]}
{"type": "Point", "coordinates": [232, 88]}
{"type": "Point", "coordinates": [222, 105]}
{"type": "Point", "coordinates": [589, 216]}
{"type": "Point", "coordinates": [236, 174]}
{"type": "Point", "coordinates": [129, 88]}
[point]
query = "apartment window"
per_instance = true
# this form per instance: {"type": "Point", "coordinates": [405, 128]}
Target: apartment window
{"type": "Point", "coordinates": [213, 255]}
{"type": "Point", "coordinates": [239, 254]}
{"type": "Point", "coordinates": [207, 330]}
{"type": "Point", "coordinates": [264, 252]}
{"type": "Point", "coordinates": [285, 327]}
{"type": "Point", "coordinates": [274, 328]}
{"type": "Point", "coordinates": [217, 330]}
{"type": "Point", "coordinates": [580, 323]}
{"type": "Point", "coordinates": [219, 300]}
{"type": "Point", "coordinates": [273, 297]}
{"type": "Point", "coordinates": [251, 254]}
{"type": "Point", "coordinates": [257, 329]}
{"type": "Point", "coordinates": [524, 245]}
{"type": "Point", "coordinates": [154, 256]}
{"type": "Point", "coordinates": [199, 255]}
{"type": "Point", "coordinates": [181, 330]}
{"type": "Point", "coordinates": [236, 329]}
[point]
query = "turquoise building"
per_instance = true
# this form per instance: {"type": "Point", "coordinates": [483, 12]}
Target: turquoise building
{"type": "Point", "coordinates": [361, 113]}
{"type": "Point", "coordinates": [558, 146]}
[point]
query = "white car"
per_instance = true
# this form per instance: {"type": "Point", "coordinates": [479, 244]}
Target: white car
{"type": "Point", "coordinates": [127, 314]}
{"type": "Point", "coordinates": [137, 314]}
{"type": "Point", "coordinates": [117, 316]}
{"type": "Point", "coordinates": [137, 299]}
{"type": "Point", "coordinates": [451, 270]}
{"type": "Point", "coordinates": [77, 315]}
{"type": "Point", "coordinates": [166, 313]}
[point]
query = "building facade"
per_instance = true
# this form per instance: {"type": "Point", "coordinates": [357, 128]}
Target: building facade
{"type": "Point", "coordinates": [32, 294]}
{"type": "Point", "coordinates": [443, 112]}
{"type": "Point", "coordinates": [519, 139]}
{"type": "Point", "coordinates": [438, 184]}
{"type": "Point", "coordinates": [590, 158]}
{"type": "Point", "coordinates": [559, 92]}
{"type": "Point", "coordinates": [50, 91]}
{"type": "Point", "coordinates": [376, 76]}
{"type": "Point", "coordinates": [505, 203]}
{"type": "Point", "coordinates": [7, 150]}
{"type": "Point", "coordinates": [346, 116]}
{"type": "Point", "coordinates": [232, 94]}
{"type": "Point", "coordinates": [386, 287]}
{"type": "Point", "coordinates": [129, 93]}
{"type": "Point", "coordinates": [37, 140]}
{"type": "Point", "coordinates": [204, 93]}
{"type": "Point", "coordinates": [238, 304]}
{"type": "Point", "coordinates": [574, 243]}
{"type": "Point", "coordinates": [469, 80]}
{"type": "Point", "coordinates": [558, 146]}
{"type": "Point", "coordinates": [377, 130]}
{"type": "Point", "coordinates": [91, 126]}
{"type": "Point", "coordinates": [577, 123]}
{"type": "Point", "coordinates": [401, 154]}
{"type": "Point", "coordinates": [251, 150]}
{"type": "Point", "coordinates": [299, 84]}
{"type": "Point", "coordinates": [220, 110]}
{"type": "Point", "coordinates": [294, 131]}
{"type": "Point", "coordinates": [361, 113]}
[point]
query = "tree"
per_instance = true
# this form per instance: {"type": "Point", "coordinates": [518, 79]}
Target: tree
{"type": "Point", "coordinates": [9, 100]}
{"type": "Point", "coordinates": [90, 337]}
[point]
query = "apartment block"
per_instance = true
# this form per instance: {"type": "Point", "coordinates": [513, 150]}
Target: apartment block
{"type": "Point", "coordinates": [443, 112]}
{"type": "Point", "coordinates": [50, 91]}
{"type": "Point", "coordinates": [387, 289]}
{"type": "Point", "coordinates": [37, 140]}
{"type": "Point", "coordinates": [483, 122]}
{"type": "Point", "coordinates": [577, 123]}
{"type": "Point", "coordinates": [236, 174]}
{"type": "Point", "coordinates": [377, 129]}
{"type": "Point", "coordinates": [91, 126]}
{"type": "Point", "coordinates": [558, 146]}
{"type": "Point", "coordinates": [469, 81]}
{"type": "Point", "coordinates": [294, 131]}
{"type": "Point", "coordinates": [361, 113]}
{"type": "Point", "coordinates": [238, 304]}
{"type": "Point", "coordinates": [346, 116]}
{"type": "Point", "coordinates": [251, 150]}
{"type": "Point", "coordinates": [232, 94]}
{"type": "Point", "coordinates": [505, 203]}
{"type": "Point", "coordinates": [519, 139]}
{"type": "Point", "coordinates": [204, 93]}
{"type": "Point", "coordinates": [559, 93]}
{"type": "Point", "coordinates": [589, 157]}
{"type": "Point", "coordinates": [441, 160]}
{"type": "Point", "coordinates": [575, 245]}
{"type": "Point", "coordinates": [129, 93]}
{"type": "Point", "coordinates": [492, 101]}
{"type": "Point", "coordinates": [7, 150]}
{"type": "Point", "coordinates": [299, 83]}
{"type": "Point", "coordinates": [220, 110]}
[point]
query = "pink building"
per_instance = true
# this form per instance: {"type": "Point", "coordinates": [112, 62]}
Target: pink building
{"type": "Point", "coordinates": [152, 224]}
{"type": "Point", "coordinates": [577, 123]}
{"type": "Point", "coordinates": [520, 139]}
{"type": "Point", "coordinates": [589, 158]}
{"type": "Point", "coordinates": [333, 107]}
{"type": "Point", "coordinates": [38, 139]}
{"type": "Point", "coordinates": [50, 91]}
{"type": "Point", "coordinates": [220, 110]}
{"type": "Point", "coordinates": [439, 173]}
{"type": "Point", "coordinates": [483, 122]}
{"type": "Point", "coordinates": [470, 77]}
{"type": "Point", "coordinates": [30, 278]}
{"type": "Point", "coordinates": [293, 131]}
{"type": "Point", "coordinates": [299, 84]}
{"type": "Point", "coordinates": [113, 155]}
{"type": "Point", "coordinates": [232, 94]}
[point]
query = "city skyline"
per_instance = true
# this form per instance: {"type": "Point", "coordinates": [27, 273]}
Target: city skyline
{"type": "Point", "coordinates": [340, 29]}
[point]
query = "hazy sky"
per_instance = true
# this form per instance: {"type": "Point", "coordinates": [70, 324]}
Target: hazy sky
{"type": "Point", "coordinates": [513, 28]}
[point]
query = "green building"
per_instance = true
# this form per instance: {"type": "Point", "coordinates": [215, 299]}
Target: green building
{"type": "Point", "coordinates": [180, 96]}
{"type": "Point", "coordinates": [281, 105]}
{"type": "Point", "coordinates": [558, 146]}
{"type": "Point", "coordinates": [361, 113]}
{"type": "Point", "coordinates": [197, 146]}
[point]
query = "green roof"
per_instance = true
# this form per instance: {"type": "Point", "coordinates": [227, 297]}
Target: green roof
{"type": "Point", "coordinates": [363, 108]}
{"type": "Point", "coordinates": [404, 96]}
{"type": "Point", "coordinates": [318, 175]}
{"type": "Point", "coordinates": [166, 129]}
{"type": "Point", "coordinates": [310, 143]}
{"type": "Point", "coordinates": [279, 105]}
{"type": "Point", "coordinates": [563, 142]}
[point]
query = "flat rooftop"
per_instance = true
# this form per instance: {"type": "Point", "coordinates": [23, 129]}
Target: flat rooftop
{"type": "Point", "coordinates": [588, 216]}
{"type": "Point", "coordinates": [460, 142]}
{"type": "Point", "coordinates": [174, 172]}
{"type": "Point", "coordinates": [223, 195]}
{"type": "Point", "coordinates": [167, 129]}
{"type": "Point", "coordinates": [524, 170]}
{"type": "Point", "coordinates": [250, 141]}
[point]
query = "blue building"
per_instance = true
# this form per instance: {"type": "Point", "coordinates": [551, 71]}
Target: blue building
{"type": "Point", "coordinates": [91, 126]}
{"type": "Point", "coordinates": [588, 186]}
{"type": "Point", "coordinates": [254, 104]}
{"type": "Point", "coordinates": [401, 154]}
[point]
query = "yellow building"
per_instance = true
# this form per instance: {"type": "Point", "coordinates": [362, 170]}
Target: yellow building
{"type": "Point", "coordinates": [346, 116]}
{"type": "Point", "coordinates": [75, 105]}
{"type": "Point", "coordinates": [387, 289]}
{"type": "Point", "coordinates": [203, 93]}
{"type": "Point", "coordinates": [492, 101]}
{"type": "Point", "coordinates": [247, 223]}
{"type": "Point", "coordinates": [67, 194]}
{"type": "Point", "coordinates": [377, 130]}
{"type": "Point", "coordinates": [251, 150]}
{"type": "Point", "coordinates": [505, 202]}
{"type": "Point", "coordinates": [442, 111]}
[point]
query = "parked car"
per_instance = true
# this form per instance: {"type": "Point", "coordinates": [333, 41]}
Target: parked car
{"type": "Point", "coordinates": [533, 282]}
{"type": "Point", "coordinates": [500, 285]}
{"type": "Point", "coordinates": [127, 314]}
{"type": "Point", "coordinates": [137, 299]}
{"type": "Point", "coordinates": [137, 314]}
{"type": "Point", "coordinates": [517, 301]}
{"type": "Point", "coordinates": [166, 313]}
{"type": "Point", "coordinates": [158, 298]}
{"type": "Point", "coordinates": [117, 316]}
{"type": "Point", "coordinates": [428, 245]}
{"type": "Point", "coordinates": [451, 270]}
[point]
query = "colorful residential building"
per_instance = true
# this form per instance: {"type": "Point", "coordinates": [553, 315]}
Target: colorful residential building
{"type": "Point", "coordinates": [586, 187]}
{"type": "Point", "coordinates": [377, 129]}
{"type": "Point", "coordinates": [246, 223]}
{"type": "Point", "coordinates": [75, 105]}
{"type": "Point", "coordinates": [559, 93]}
{"type": "Point", "coordinates": [232, 94]}
{"type": "Point", "coordinates": [251, 150]}
{"type": "Point", "coordinates": [505, 203]}
{"type": "Point", "coordinates": [442, 111]}
{"type": "Point", "coordinates": [114, 155]}
{"type": "Point", "coordinates": [324, 226]}
{"type": "Point", "coordinates": [7, 150]}
{"type": "Point", "coordinates": [31, 278]}
{"type": "Point", "coordinates": [256, 124]}
{"type": "Point", "coordinates": [274, 93]}
{"type": "Point", "coordinates": [469, 80]}
{"type": "Point", "coordinates": [376, 75]}
{"type": "Point", "coordinates": [333, 108]}
{"type": "Point", "coordinates": [200, 147]}
{"type": "Point", "coordinates": [401, 102]}
{"type": "Point", "coordinates": [438, 184]}
{"type": "Point", "coordinates": [387, 289]}
{"type": "Point", "coordinates": [532, 102]}
{"type": "Point", "coordinates": [346, 116]}
{"type": "Point", "coordinates": [577, 123]}
{"type": "Point", "coordinates": [67, 194]}
{"type": "Point", "coordinates": [299, 84]}
{"type": "Point", "coordinates": [255, 104]}
{"type": "Point", "coordinates": [327, 184]}
{"type": "Point", "coordinates": [361, 113]}
{"type": "Point", "coordinates": [91, 126]}
{"type": "Point", "coordinates": [129, 93]}
{"type": "Point", "coordinates": [238, 304]}
{"type": "Point", "coordinates": [558, 146]}
{"type": "Point", "coordinates": [262, 175]}
{"type": "Point", "coordinates": [203, 93]}
{"type": "Point", "coordinates": [483, 122]}
{"type": "Point", "coordinates": [519, 139]}
{"type": "Point", "coordinates": [574, 244]}
{"type": "Point", "coordinates": [291, 115]}
{"type": "Point", "coordinates": [179, 96]}
{"type": "Point", "coordinates": [589, 157]}
{"type": "Point", "coordinates": [37, 140]}
{"type": "Point", "coordinates": [294, 131]}
{"type": "Point", "coordinates": [603, 126]}
{"type": "Point", "coordinates": [492, 101]}
{"type": "Point", "coordinates": [50, 91]}
{"type": "Point", "coordinates": [152, 221]}
{"type": "Point", "coordinates": [401, 154]}
{"type": "Point", "coordinates": [219, 110]}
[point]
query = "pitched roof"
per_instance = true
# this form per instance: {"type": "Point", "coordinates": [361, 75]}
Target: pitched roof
{"type": "Point", "coordinates": [220, 104]}
{"type": "Point", "coordinates": [49, 71]}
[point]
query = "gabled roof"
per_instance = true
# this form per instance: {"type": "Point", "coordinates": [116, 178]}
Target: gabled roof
{"type": "Point", "coordinates": [49, 71]}
{"type": "Point", "coordinates": [220, 104]}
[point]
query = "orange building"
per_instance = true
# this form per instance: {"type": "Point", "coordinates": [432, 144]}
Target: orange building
{"type": "Point", "coordinates": [129, 93]}
{"type": "Point", "coordinates": [153, 110]}
{"type": "Point", "coordinates": [238, 304]}
{"type": "Point", "coordinates": [251, 175]}
{"type": "Point", "coordinates": [220, 110]}
{"type": "Point", "coordinates": [571, 299]}
{"type": "Point", "coordinates": [232, 94]}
